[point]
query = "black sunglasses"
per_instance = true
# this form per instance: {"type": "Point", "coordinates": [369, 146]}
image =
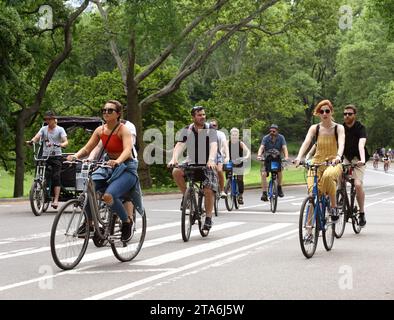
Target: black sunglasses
{"type": "Point", "coordinates": [108, 110]}
{"type": "Point", "coordinates": [348, 114]}
{"type": "Point", "coordinates": [324, 111]}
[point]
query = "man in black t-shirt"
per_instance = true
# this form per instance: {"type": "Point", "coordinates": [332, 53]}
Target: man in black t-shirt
{"type": "Point", "coordinates": [356, 152]}
{"type": "Point", "coordinates": [201, 145]}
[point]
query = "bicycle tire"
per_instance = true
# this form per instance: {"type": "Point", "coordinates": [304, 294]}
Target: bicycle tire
{"type": "Point", "coordinates": [307, 213]}
{"type": "Point", "coordinates": [229, 201]}
{"type": "Point", "coordinates": [274, 195]}
{"type": "Point", "coordinates": [37, 198]}
{"type": "Point", "coordinates": [203, 215]}
{"type": "Point", "coordinates": [68, 248]}
{"type": "Point", "coordinates": [339, 228]}
{"type": "Point", "coordinates": [187, 214]}
{"type": "Point", "coordinates": [127, 251]}
{"type": "Point", "coordinates": [328, 232]}
{"type": "Point", "coordinates": [235, 195]}
{"type": "Point", "coordinates": [355, 221]}
{"type": "Point", "coordinates": [386, 168]}
{"type": "Point", "coordinates": [216, 204]}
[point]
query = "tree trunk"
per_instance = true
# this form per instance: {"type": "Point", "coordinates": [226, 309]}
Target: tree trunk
{"type": "Point", "coordinates": [134, 114]}
{"type": "Point", "coordinates": [20, 156]}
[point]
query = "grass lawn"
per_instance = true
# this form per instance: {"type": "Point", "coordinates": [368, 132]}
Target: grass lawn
{"type": "Point", "coordinates": [7, 184]}
{"type": "Point", "coordinates": [291, 176]}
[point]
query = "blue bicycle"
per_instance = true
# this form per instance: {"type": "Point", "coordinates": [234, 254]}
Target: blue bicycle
{"type": "Point", "coordinates": [231, 188]}
{"type": "Point", "coordinates": [315, 217]}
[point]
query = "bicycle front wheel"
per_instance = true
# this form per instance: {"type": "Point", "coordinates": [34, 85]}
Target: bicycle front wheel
{"type": "Point", "coordinates": [127, 251]}
{"type": "Point", "coordinates": [339, 228]}
{"type": "Point", "coordinates": [356, 222]}
{"type": "Point", "coordinates": [216, 204]}
{"type": "Point", "coordinates": [229, 199]}
{"type": "Point", "coordinates": [273, 187]}
{"type": "Point", "coordinates": [328, 232]}
{"type": "Point", "coordinates": [37, 198]}
{"type": "Point", "coordinates": [307, 228]}
{"type": "Point", "coordinates": [69, 235]}
{"type": "Point", "coordinates": [187, 217]}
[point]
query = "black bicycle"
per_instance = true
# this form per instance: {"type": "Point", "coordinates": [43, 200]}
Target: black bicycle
{"type": "Point", "coordinates": [71, 229]}
{"type": "Point", "coordinates": [346, 203]}
{"type": "Point", "coordinates": [193, 201]}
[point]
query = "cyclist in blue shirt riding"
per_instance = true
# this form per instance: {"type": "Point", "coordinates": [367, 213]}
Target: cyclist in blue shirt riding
{"type": "Point", "coordinates": [271, 143]}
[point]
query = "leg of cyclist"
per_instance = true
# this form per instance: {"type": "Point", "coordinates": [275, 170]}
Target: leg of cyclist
{"type": "Point", "coordinates": [240, 181]}
{"type": "Point", "coordinates": [210, 184]}
{"type": "Point", "coordinates": [112, 197]}
{"type": "Point", "coordinates": [329, 186]}
{"type": "Point", "coordinates": [179, 178]}
{"type": "Point", "coordinates": [358, 175]}
{"type": "Point", "coordinates": [280, 177]}
{"type": "Point", "coordinates": [264, 185]}
{"type": "Point", "coordinates": [56, 164]}
{"type": "Point", "coordinates": [220, 172]}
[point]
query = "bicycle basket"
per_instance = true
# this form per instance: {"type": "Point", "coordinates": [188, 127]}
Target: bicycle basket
{"type": "Point", "coordinates": [275, 165]}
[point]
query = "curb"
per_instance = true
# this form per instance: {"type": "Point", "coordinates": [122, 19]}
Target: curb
{"type": "Point", "coordinates": [150, 194]}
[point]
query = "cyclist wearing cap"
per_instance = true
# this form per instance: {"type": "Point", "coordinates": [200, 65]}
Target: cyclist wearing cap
{"type": "Point", "coordinates": [201, 145]}
{"type": "Point", "coordinates": [271, 142]}
{"type": "Point", "coordinates": [54, 138]}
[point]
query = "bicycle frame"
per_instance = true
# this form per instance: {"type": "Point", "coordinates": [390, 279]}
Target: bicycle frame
{"type": "Point", "coordinates": [320, 203]}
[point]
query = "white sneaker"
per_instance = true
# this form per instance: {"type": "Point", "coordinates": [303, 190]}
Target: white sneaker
{"type": "Point", "coordinates": [223, 195]}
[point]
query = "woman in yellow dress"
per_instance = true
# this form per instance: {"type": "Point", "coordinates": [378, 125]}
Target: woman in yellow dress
{"type": "Point", "coordinates": [329, 147]}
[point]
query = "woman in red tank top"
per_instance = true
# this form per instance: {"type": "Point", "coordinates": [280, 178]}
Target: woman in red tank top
{"type": "Point", "coordinates": [118, 150]}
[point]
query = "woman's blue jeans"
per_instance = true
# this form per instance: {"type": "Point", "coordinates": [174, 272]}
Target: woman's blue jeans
{"type": "Point", "coordinates": [117, 188]}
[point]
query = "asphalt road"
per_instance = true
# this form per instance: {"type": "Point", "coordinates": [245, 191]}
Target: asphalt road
{"type": "Point", "coordinates": [249, 254]}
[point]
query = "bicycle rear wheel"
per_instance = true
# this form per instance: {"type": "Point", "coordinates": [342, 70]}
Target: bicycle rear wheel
{"type": "Point", "coordinates": [37, 198]}
{"type": "Point", "coordinates": [127, 251]}
{"type": "Point", "coordinates": [273, 187]}
{"type": "Point", "coordinates": [339, 228]}
{"type": "Point", "coordinates": [187, 215]}
{"type": "Point", "coordinates": [308, 231]}
{"type": "Point", "coordinates": [67, 247]}
{"type": "Point", "coordinates": [229, 200]}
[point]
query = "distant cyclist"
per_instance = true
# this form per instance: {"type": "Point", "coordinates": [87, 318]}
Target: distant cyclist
{"type": "Point", "coordinates": [355, 152]}
{"type": "Point", "coordinates": [271, 142]}
{"type": "Point", "coordinates": [54, 138]}
{"type": "Point", "coordinates": [222, 155]}
{"type": "Point", "coordinates": [201, 145]}
{"type": "Point", "coordinates": [239, 153]}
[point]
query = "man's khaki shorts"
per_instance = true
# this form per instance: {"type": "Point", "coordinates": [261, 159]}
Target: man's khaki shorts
{"type": "Point", "coordinates": [358, 172]}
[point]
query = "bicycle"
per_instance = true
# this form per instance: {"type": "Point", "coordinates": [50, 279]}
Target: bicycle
{"type": "Point", "coordinates": [346, 206]}
{"type": "Point", "coordinates": [315, 217]}
{"type": "Point", "coordinates": [193, 202]}
{"type": "Point", "coordinates": [71, 232]}
{"type": "Point", "coordinates": [231, 188]}
{"type": "Point", "coordinates": [274, 164]}
{"type": "Point", "coordinates": [40, 191]}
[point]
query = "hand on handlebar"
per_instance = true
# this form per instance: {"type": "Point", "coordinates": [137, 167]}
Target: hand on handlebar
{"type": "Point", "coordinates": [29, 142]}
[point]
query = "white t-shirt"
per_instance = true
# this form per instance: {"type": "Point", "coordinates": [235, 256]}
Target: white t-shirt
{"type": "Point", "coordinates": [133, 132]}
{"type": "Point", "coordinates": [221, 141]}
{"type": "Point", "coordinates": [55, 136]}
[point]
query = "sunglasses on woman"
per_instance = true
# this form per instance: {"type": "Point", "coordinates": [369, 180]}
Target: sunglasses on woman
{"type": "Point", "coordinates": [322, 111]}
{"type": "Point", "coordinates": [108, 110]}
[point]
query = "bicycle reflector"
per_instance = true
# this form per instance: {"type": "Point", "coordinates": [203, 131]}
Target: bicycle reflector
{"type": "Point", "coordinates": [274, 165]}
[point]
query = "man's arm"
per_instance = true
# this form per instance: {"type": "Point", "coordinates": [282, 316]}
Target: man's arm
{"type": "Point", "coordinates": [213, 151]}
{"type": "Point", "coordinates": [361, 149]}
{"type": "Point", "coordinates": [178, 149]}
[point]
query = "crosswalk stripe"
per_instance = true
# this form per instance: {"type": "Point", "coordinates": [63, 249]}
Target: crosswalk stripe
{"type": "Point", "coordinates": [180, 254]}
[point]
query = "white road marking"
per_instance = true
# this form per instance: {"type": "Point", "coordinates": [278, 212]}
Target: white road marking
{"type": "Point", "coordinates": [180, 254]}
{"type": "Point", "coordinates": [183, 268]}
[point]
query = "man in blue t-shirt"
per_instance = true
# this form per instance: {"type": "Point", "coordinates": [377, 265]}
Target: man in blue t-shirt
{"type": "Point", "coordinates": [272, 145]}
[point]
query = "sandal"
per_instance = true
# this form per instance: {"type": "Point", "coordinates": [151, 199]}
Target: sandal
{"type": "Point", "coordinates": [54, 205]}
